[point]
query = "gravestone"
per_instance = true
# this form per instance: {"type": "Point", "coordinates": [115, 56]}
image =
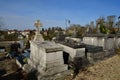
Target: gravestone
{"type": "Point", "coordinates": [100, 45]}
{"type": "Point", "coordinates": [46, 56]}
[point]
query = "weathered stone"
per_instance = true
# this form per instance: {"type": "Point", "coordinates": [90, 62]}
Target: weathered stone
{"type": "Point", "coordinates": [56, 69]}
{"type": "Point", "coordinates": [47, 57]}
{"type": "Point", "coordinates": [54, 63]}
{"type": "Point", "coordinates": [80, 52]}
{"type": "Point", "coordinates": [54, 56]}
{"type": "Point", "coordinates": [102, 40]}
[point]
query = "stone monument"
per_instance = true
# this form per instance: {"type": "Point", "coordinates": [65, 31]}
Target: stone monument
{"type": "Point", "coordinates": [46, 56]}
{"type": "Point", "coordinates": [38, 36]}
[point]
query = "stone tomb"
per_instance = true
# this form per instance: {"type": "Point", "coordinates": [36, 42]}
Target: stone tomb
{"type": "Point", "coordinates": [99, 46]}
{"type": "Point", "coordinates": [47, 57]}
{"type": "Point", "coordinates": [74, 52]}
{"type": "Point", "coordinates": [101, 40]}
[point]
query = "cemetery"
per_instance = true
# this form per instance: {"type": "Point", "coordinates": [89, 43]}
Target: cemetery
{"type": "Point", "coordinates": [53, 57]}
{"type": "Point", "coordinates": [60, 40]}
{"type": "Point", "coordinates": [64, 55]}
{"type": "Point", "coordinates": [48, 57]}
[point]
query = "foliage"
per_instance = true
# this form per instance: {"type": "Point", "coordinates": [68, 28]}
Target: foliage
{"type": "Point", "coordinates": [31, 35]}
{"type": "Point", "coordinates": [75, 29]}
{"type": "Point", "coordinates": [51, 32]}
{"type": "Point", "coordinates": [11, 37]}
{"type": "Point", "coordinates": [2, 35]}
{"type": "Point", "coordinates": [68, 33]}
{"type": "Point", "coordinates": [95, 30]}
{"type": "Point", "coordinates": [103, 29]}
{"type": "Point", "coordinates": [107, 24]}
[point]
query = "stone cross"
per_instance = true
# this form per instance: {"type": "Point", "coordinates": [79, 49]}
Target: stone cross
{"type": "Point", "coordinates": [38, 25]}
{"type": "Point", "coordinates": [38, 36]}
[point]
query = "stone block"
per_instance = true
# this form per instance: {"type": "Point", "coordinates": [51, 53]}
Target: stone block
{"type": "Point", "coordinates": [56, 69]}
{"type": "Point", "coordinates": [80, 52]}
{"type": "Point", "coordinates": [73, 52]}
{"type": "Point", "coordinates": [54, 55]}
{"type": "Point", "coordinates": [54, 63]}
{"type": "Point", "coordinates": [47, 57]}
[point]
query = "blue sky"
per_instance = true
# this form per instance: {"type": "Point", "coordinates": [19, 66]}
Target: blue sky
{"type": "Point", "coordinates": [21, 14]}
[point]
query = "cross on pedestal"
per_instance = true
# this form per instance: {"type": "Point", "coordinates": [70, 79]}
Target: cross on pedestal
{"type": "Point", "coordinates": [38, 36]}
{"type": "Point", "coordinates": [38, 25]}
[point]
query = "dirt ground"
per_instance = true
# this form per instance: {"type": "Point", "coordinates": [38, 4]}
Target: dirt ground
{"type": "Point", "coordinates": [108, 69]}
{"type": "Point", "coordinates": [9, 69]}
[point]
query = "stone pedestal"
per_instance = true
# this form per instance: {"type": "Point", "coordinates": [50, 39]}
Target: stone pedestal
{"type": "Point", "coordinates": [38, 37]}
{"type": "Point", "coordinates": [47, 57]}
